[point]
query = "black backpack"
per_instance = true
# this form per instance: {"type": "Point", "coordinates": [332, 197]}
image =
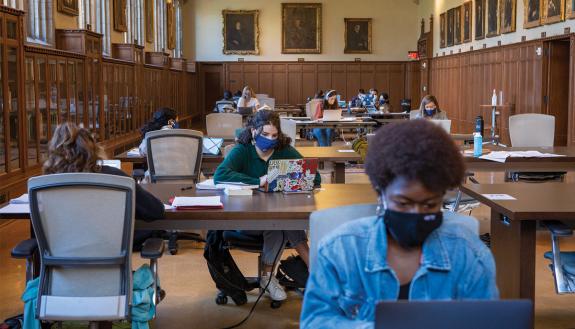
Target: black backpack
{"type": "Point", "coordinates": [224, 270]}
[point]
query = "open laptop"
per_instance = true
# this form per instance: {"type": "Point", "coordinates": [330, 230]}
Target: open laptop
{"type": "Point", "coordinates": [248, 110]}
{"type": "Point", "coordinates": [292, 175]}
{"type": "Point", "coordinates": [271, 102]}
{"type": "Point", "coordinates": [331, 115]}
{"type": "Point", "coordinates": [212, 145]}
{"type": "Point", "coordinates": [471, 314]}
{"type": "Point", "coordinates": [445, 124]}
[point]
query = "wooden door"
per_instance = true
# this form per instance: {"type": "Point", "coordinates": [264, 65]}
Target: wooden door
{"type": "Point", "coordinates": [556, 99]}
{"type": "Point", "coordinates": [212, 85]}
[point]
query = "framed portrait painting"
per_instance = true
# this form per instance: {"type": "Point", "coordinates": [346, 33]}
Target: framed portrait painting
{"type": "Point", "coordinates": [479, 19]}
{"type": "Point", "coordinates": [120, 15]}
{"type": "Point", "coordinates": [357, 35]}
{"type": "Point", "coordinates": [467, 17]}
{"type": "Point", "coordinates": [442, 28]}
{"type": "Point", "coordinates": [492, 18]}
{"type": "Point", "coordinates": [301, 28]}
{"type": "Point", "coordinates": [241, 32]}
{"type": "Point", "coordinates": [532, 14]}
{"type": "Point", "coordinates": [68, 7]}
{"type": "Point", "coordinates": [149, 20]}
{"type": "Point", "coordinates": [570, 13]}
{"type": "Point", "coordinates": [553, 11]}
{"type": "Point", "coordinates": [508, 15]}
{"type": "Point", "coordinates": [457, 25]}
{"type": "Point", "coordinates": [450, 26]}
{"type": "Point", "coordinates": [171, 25]}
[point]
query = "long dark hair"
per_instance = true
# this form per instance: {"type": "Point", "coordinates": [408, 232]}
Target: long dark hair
{"type": "Point", "coordinates": [426, 100]}
{"type": "Point", "coordinates": [326, 104]}
{"type": "Point", "coordinates": [257, 122]}
{"type": "Point", "coordinates": [161, 118]}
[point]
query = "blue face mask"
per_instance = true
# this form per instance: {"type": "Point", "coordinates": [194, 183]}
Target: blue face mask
{"type": "Point", "coordinates": [430, 112]}
{"type": "Point", "coordinates": [176, 125]}
{"type": "Point", "coordinates": [265, 144]}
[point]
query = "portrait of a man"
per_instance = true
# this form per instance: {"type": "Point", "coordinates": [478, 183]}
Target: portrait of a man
{"type": "Point", "coordinates": [301, 28]}
{"type": "Point", "coordinates": [241, 32]}
{"type": "Point", "coordinates": [554, 11]}
{"type": "Point", "coordinates": [457, 26]}
{"type": "Point", "coordinates": [442, 28]}
{"type": "Point", "coordinates": [450, 26]}
{"type": "Point", "coordinates": [492, 18]}
{"type": "Point", "coordinates": [69, 7]}
{"type": "Point", "coordinates": [357, 35]}
{"type": "Point", "coordinates": [532, 15]}
{"type": "Point", "coordinates": [467, 21]}
{"type": "Point", "coordinates": [479, 19]}
{"type": "Point", "coordinates": [120, 14]}
{"type": "Point", "coordinates": [508, 16]}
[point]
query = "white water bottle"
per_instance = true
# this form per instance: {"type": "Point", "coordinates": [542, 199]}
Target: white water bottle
{"type": "Point", "coordinates": [494, 98]}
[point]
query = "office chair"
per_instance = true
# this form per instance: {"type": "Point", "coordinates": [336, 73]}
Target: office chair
{"type": "Point", "coordinates": [84, 248]}
{"type": "Point", "coordinates": [532, 130]}
{"type": "Point", "coordinates": [223, 124]}
{"type": "Point", "coordinates": [562, 263]}
{"type": "Point", "coordinates": [175, 156]}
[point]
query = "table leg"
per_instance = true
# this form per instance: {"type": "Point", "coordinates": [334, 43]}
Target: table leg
{"type": "Point", "coordinates": [513, 247]}
{"type": "Point", "coordinates": [339, 168]}
{"type": "Point", "coordinates": [127, 167]}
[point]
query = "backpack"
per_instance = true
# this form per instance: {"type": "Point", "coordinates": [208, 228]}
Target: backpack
{"type": "Point", "coordinates": [224, 271]}
{"type": "Point", "coordinates": [293, 272]}
{"type": "Point", "coordinates": [14, 322]}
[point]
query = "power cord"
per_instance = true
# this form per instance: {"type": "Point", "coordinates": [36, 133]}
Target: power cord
{"type": "Point", "coordinates": [263, 291]}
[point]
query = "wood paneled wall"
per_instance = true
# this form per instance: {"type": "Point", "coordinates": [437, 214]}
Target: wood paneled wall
{"type": "Point", "coordinates": [292, 83]}
{"type": "Point", "coordinates": [571, 134]}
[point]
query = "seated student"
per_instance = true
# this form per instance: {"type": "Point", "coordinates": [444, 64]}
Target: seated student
{"type": "Point", "coordinates": [324, 135]}
{"type": "Point", "coordinates": [384, 103]}
{"type": "Point", "coordinates": [225, 103]}
{"type": "Point", "coordinates": [248, 98]}
{"type": "Point", "coordinates": [429, 109]}
{"type": "Point", "coordinates": [247, 162]}
{"type": "Point", "coordinates": [164, 118]}
{"type": "Point", "coordinates": [409, 249]}
{"type": "Point", "coordinates": [73, 149]}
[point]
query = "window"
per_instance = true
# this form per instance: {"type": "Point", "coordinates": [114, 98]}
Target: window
{"type": "Point", "coordinates": [96, 13]}
{"type": "Point", "coordinates": [160, 25]}
{"type": "Point", "coordinates": [38, 19]}
{"type": "Point", "coordinates": [135, 32]}
{"type": "Point", "coordinates": [179, 28]}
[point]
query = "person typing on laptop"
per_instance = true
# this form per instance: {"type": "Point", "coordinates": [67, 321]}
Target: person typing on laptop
{"type": "Point", "coordinates": [429, 109]}
{"type": "Point", "coordinates": [324, 135]}
{"type": "Point", "coordinates": [409, 249]}
{"type": "Point", "coordinates": [247, 162]}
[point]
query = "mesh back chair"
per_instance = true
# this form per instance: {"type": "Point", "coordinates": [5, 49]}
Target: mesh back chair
{"type": "Point", "coordinates": [223, 124]}
{"type": "Point", "coordinates": [175, 156]}
{"type": "Point", "coordinates": [562, 263]}
{"type": "Point", "coordinates": [224, 106]}
{"type": "Point", "coordinates": [85, 249]}
{"type": "Point", "coordinates": [532, 130]}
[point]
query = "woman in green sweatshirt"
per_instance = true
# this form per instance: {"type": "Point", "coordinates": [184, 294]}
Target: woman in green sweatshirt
{"type": "Point", "coordinates": [247, 162]}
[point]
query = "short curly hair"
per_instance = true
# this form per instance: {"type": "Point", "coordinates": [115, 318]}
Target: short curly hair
{"type": "Point", "coordinates": [415, 150]}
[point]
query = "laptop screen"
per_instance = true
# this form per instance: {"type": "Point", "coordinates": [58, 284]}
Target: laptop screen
{"type": "Point", "coordinates": [212, 145]}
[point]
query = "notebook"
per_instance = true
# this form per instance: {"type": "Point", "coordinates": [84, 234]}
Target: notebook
{"type": "Point", "coordinates": [294, 175]}
{"type": "Point", "coordinates": [331, 115]}
{"type": "Point", "coordinates": [212, 145]}
{"type": "Point", "coordinates": [195, 203]}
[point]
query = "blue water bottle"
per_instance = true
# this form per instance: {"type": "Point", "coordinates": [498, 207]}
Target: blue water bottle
{"type": "Point", "coordinates": [477, 144]}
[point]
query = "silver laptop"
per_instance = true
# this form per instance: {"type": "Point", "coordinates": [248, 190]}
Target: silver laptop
{"type": "Point", "coordinates": [445, 124]}
{"type": "Point", "coordinates": [331, 115]}
{"type": "Point", "coordinates": [212, 145]}
{"type": "Point", "coordinates": [470, 314]}
{"type": "Point", "coordinates": [271, 102]}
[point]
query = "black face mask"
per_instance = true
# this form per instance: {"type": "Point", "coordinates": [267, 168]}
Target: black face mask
{"type": "Point", "coordinates": [410, 230]}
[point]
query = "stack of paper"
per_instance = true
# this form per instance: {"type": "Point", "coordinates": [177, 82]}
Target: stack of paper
{"type": "Point", "coordinates": [238, 191]}
{"type": "Point", "coordinates": [501, 156]}
{"type": "Point", "coordinates": [135, 152]}
{"type": "Point", "coordinates": [194, 203]}
{"type": "Point", "coordinates": [210, 185]}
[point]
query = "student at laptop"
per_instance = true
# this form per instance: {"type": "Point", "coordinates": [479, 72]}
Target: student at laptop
{"type": "Point", "coordinates": [248, 99]}
{"type": "Point", "coordinates": [409, 249]}
{"type": "Point", "coordinates": [227, 100]}
{"type": "Point", "coordinates": [164, 118]}
{"type": "Point", "coordinates": [247, 162]}
{"type": "Point", "coordinates": [324, 135]}
{"type": "Point", "coordinates": [429, 109]}
{"type": "Point", "coordinates": [384, 103]}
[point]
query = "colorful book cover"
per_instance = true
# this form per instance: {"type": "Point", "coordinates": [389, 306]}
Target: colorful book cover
{"type": "Point", "coordinates": [291, 175]}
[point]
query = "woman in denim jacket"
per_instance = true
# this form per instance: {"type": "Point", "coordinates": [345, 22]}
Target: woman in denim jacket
{"type": "Point", "coordinates": [410, 249]}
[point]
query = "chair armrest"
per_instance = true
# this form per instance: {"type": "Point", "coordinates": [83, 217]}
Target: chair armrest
{"type": "Point", "coordinates": [25, 249]}
{"type": "Point", "coordinates": [558, 228]}
{"type": "Point", "coordinates": [152, 248]}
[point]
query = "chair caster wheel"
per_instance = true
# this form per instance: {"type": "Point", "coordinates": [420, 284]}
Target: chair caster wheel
{"type": "Point", "coordinates": [276, 304]}
{"type": "Point", "coordinates": [221, 300]}
{"type": "Point", "coordinates": [173, 251]}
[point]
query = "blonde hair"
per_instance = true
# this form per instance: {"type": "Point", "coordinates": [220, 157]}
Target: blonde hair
{"type": "Point", "coordinates": [246, 88]}
{"type": "Point", "coordinates": [72, 149]}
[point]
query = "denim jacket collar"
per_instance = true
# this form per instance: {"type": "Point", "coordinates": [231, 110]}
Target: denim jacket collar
{"type": "Point", "coordinates": [434, 255]}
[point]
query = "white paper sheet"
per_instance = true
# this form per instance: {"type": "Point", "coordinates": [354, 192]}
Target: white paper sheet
{"type": "Point", "coordinates": [23, 199]}
{"type": "Point", "coordinates": [501, 156]}
{"type": "Point", "coordinates": [209, 201]}
{"type": "Point", "coordinates": [210, 185]}
{"type": "Point", "coordinates": [346, 151]}
{"type": "Point", "coordinates": [499, 197]}
{"type": "Point", "coordinates": [19, 208]}
{"type": "Point", "coordinates": [135, 152]}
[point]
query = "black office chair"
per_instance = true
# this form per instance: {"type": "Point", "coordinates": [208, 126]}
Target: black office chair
{"type": "Point", "coordinates": [562, 263]}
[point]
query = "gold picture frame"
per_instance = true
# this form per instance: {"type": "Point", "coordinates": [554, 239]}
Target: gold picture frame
{"type": "Point", "coordinates": [457, 25]}
{"type": "Point", "coordinates": [301, 28]}
{"type": "Point", "coordinates": [149, 21]}
{"type": "Point", "coordinates": [120, 16]}
{"type": "Point", "coordinates": [68, 7]}
{"type": "Point", "coordinates": [479, 17]}
{"type": "Point", "coordinates": [532, 13]}
{"type": "Point", "coordinates": [467, 22]}
{"type": "Point", "coordinates": [357, 36]}
{"type": "Point", "coordinates": [508, 16]}
{"type": "Point", "coordinates": [553, 11]}
{"type": "Point", "coordinates": [170, 25]}
{"type": "Point", "coordinates": [442, 30]}
{"type": "Point", "coordinates": [241, 32]}
{"type": "Point", "coordinates": [492, 18]}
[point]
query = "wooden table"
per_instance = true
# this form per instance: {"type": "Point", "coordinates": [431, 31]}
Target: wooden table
{"type": "Point", "coordinates": [324, 154]}
{"type": "Point", "coordinates": [292, 126]}
{"type": "Point", "coordinates": [262, 211]}
{"type": "Point", "coordinates": [565, 163]}
{"type": "Point", "coordinates": [513, 226]}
